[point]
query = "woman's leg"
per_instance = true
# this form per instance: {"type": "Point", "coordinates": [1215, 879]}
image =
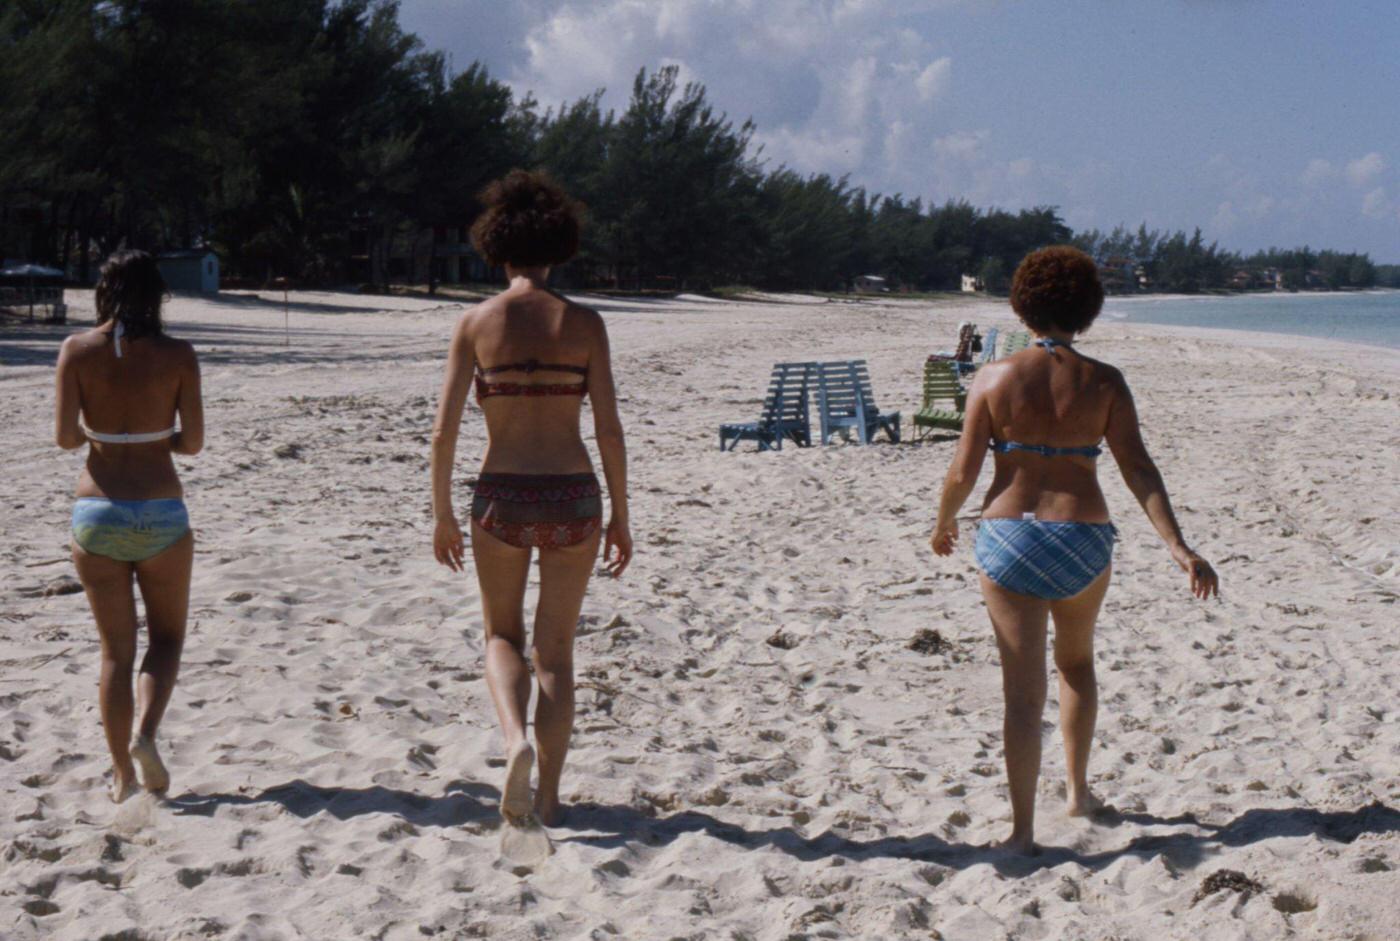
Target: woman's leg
{"type": "Point", "coordinates": [164, 581]}
{"type": "Point", "coordinates": [564, 575]}
{"type": "Point", "coordinates": [108, 586]}
{"type": "Point", "coordinates": [502, 571]}
{"type": "Point", "coordinates": [1079, 695]}
{"type": "Point", "coordinates": [1019, 622]}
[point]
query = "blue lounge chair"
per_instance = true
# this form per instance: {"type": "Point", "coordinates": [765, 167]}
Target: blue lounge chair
{"type": "Point", "coordinates": [786, 413]}
{"type": "Point", "coordinates": [846, 401]}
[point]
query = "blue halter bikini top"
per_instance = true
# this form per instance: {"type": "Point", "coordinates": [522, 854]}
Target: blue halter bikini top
{"type": "Point", "coordinates": [1045, 450]}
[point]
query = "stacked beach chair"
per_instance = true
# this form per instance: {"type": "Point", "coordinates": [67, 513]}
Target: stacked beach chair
{"type": "Point", "coordinates": [786, 412]}
{"type": "Point", "coordinates": [845, 405]}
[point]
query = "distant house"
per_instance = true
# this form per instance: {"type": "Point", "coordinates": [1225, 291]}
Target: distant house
{"type": "Point", "coordinates": [1118, 275]}
{"type": "Point", "coordinates": [871, 284]}
{"type": "Point", "coordinates": [191, 272]}
{"type": "Point", "coordinates": [971, 284]}
{"type": "Point", "coordinates": [1242, 280]}
{"type": "Point", "coordinates": [1271, 278]}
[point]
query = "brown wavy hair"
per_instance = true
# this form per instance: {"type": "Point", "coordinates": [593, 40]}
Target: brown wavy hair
{"type": "Point", "coordinates": [131, 292]}
{"type": "Point", "coordinates": [528, 221]}
{"type": "Point", "coordinates": [1057, 288]}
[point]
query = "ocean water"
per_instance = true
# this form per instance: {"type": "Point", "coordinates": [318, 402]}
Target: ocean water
{"type": "Point", "coordinates": [1354, 318]}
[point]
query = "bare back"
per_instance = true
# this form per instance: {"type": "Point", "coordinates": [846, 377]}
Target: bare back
{"type": "Point", "coordinates": [143, 390]}
{"type": "Point", "coordinates": [1052, 397]}
{"type": "Point", "coordinates": [536, 329]}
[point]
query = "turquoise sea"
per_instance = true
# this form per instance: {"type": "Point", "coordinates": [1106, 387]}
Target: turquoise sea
{"type": "Point", "coordinates": [1356, 318]}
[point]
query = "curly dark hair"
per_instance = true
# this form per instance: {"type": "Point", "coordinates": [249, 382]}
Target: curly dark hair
{"type": "Point", "coordinates": [131, 292]}
{"type": "Point", "coordinates": [1057, 288]}
{"type": "Point", "coordinates": [528, 221]}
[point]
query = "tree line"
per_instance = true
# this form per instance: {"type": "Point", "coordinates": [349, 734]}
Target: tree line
{"type": "Point", "coordinates": [317, 140]}
{"type": "Point", "coordinates": [1174, 261]}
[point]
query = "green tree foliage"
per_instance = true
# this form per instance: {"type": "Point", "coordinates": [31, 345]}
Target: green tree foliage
{"type": "Point", "coordinates": [317, 139]}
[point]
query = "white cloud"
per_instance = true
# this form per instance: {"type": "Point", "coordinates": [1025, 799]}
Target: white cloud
{"type": "Point", "coordinates": [1022, 168]}
{"type": "Point", "coordinates": [960, 145]}
{"type": "Point", "coordinates": [1365, 170]}
{"type": "Point", "coordinates": [1317, 171]}
{"type": "Point", "coordinates": [933, 81]}
{"type": "Point", "coordinates": [838, 86]}
{"type": "Point", "coordinates": [1225, 218]}
{"type": "Point", "coordinates": [1376, 204]}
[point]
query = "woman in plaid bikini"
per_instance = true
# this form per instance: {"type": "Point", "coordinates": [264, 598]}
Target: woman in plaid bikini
{"type": "Point", "coordinates": [1045, 543]}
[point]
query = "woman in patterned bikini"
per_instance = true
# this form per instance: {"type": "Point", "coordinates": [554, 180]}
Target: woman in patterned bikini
{"type": "Point", "coordinates": [1045, 543]}
{"type": "Point", "coordinates": [533, 356]}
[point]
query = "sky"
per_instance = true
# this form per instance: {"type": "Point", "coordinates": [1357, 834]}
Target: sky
{"type": "Point", "coordinates": [1264, 122]}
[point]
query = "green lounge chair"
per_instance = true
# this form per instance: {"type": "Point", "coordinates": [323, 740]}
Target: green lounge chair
{"type": "Point", "coordinates": [940, 385]}
{"type": "Point", "coordinates": [1016, 341]}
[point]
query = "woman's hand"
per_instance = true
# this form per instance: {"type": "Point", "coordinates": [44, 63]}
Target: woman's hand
{"type": "Point", "coordinates": [447, 542]}
{"type": "Point", "coordinates": [945, 538]}
{"type": "Point", "coordinates": [1204, 581]}
{"type": "Point", "coordinates": [617, 547]}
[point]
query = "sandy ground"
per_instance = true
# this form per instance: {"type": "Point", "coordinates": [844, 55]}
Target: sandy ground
{"type": "Point", "coordinates": [335, 759]}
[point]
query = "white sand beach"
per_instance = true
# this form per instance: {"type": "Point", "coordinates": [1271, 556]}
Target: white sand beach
{"type": "Point", "coordinates": [759, 752]}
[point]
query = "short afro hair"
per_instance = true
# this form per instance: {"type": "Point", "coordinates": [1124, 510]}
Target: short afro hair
{"type": "Point", "coordinates": [527, 221]}
{"type": "Point", "coordinates": [1057, 288]}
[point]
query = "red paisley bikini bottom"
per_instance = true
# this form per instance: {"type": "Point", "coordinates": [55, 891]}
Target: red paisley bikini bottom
{"type": "Point", "coordinates": [541, 511]}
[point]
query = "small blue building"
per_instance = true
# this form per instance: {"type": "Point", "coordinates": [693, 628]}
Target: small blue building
{"type": "Point", "coordinates": [191, 272]}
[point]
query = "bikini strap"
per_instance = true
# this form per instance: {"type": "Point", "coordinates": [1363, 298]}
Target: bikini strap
{"type": "Point", "coordinates": [1045, 450]}
{"type": "Point", "coordinates": [530, 366]}
{"type": "Point", "coordinates": [1049, 343]}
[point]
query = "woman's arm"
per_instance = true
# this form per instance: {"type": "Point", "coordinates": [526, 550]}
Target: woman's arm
{"type": "Point", "coordinates": [1124, 437]}
{"type": "Point", "coordinates": [68, 434]}
{"type": "Point", "coordinates": [447, 535]}
{"type": "Point", "coordinates": [966, 466]}
{"type": "Point", "coordinates": [607, 428]}
{"type": "Point", "coordinates": [190, 405]}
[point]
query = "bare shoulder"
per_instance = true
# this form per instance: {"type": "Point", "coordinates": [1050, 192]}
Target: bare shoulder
{"type": "Point", "coordinates": [469, 321]}
{"type": "Point", "coordinates": [586, 317]}
{"type": "Point", "coordinates": [83, 342]}
{"type": "Point", "coordinates": [993, 374]}
{"type": "Point", "coordinates": [181, 348]}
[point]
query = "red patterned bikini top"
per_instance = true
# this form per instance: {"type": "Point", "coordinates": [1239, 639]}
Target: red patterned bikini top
{"type": "Point", "coordinates": [485, 388]}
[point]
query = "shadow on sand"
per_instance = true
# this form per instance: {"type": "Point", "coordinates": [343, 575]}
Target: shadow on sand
{"type": "Point", "coordinates": [613, 826]}
{"type": "Point", "coordinates": [1186, 848]}
{"type": "Point", "coordinates": [461, 802]}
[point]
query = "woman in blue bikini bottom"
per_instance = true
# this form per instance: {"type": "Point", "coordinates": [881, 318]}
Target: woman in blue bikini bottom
{"type": "Point", "coordinates": [1044, 544]}
{"type": "Point", "coordinates": [128, 530]}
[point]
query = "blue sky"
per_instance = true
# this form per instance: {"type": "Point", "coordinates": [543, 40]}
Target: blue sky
{"type": "Point", "coordinates": [1265, 122]}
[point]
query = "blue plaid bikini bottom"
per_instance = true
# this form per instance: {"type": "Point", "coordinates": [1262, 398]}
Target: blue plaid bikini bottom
{"type": "Point", "coordinates": [1045, 559]}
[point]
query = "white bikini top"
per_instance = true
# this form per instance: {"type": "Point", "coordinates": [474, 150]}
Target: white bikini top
{"type": "Point", "coordinates": [141, 437]}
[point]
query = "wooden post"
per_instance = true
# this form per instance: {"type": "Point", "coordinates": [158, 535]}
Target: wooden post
{"type": "Point", "coordinates": [286, 312]}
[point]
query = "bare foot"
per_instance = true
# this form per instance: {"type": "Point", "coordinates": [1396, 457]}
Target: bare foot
{"type": "Point", "coordinates": [551, 813]}
{"type": "Point", "coordinates": [123, 784]}
{"type": "Point", "coordinates": [516, 802]}
{"type": "Point", "coordinates": [154, 777]}
{"type": "Point", "coordinates": [1021, 845]}
{"type": "Point", "coordinates": [1084, 804]}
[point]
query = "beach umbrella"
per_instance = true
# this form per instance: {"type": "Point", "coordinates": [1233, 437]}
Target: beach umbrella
{"type": "Point", "coordinates": [31, 272]}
